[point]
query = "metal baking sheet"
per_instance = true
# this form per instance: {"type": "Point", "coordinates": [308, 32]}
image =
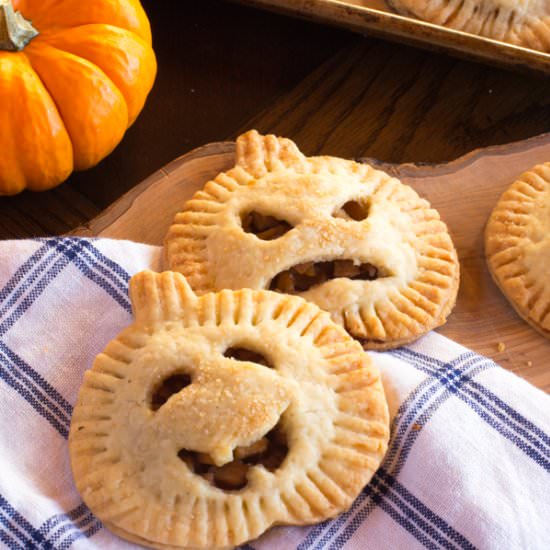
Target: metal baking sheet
{"type": "Point", "coordinates": [375, 18]}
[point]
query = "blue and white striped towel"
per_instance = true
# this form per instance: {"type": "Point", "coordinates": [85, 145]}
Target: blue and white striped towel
{"type": "Point", "coordinates": [468, 463]}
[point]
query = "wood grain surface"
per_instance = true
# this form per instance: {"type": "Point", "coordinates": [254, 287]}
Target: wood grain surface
{"type": "Point", "coordinates": [225, 67]}
{"type": "Point", "coordinates": [464, 191]}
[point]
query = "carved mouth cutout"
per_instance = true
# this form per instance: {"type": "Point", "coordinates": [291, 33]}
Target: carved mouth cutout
{"type": "Point", "coordinates": [304, 276]}
{"type": "Point", "coordinates": [269, 452]}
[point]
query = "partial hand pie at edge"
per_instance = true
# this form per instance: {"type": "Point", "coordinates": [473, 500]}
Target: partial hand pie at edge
{"type": "Point", "coordinates": [517, 246]}
{"type": "Point", "coordinates": [353, 240]}
{"type": "Point", "coordinates": [520, 22]}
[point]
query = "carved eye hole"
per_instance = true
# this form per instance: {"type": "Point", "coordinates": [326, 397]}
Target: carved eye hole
{"type": "Point", "coordinates": [356, 210]}
{"type": "Point", "coordinates": [167, 388]}
{"type": "Point", "coordinates": [264, 227]}
{"type": "Point", "coordinates": [302, 277]}
{"type": "Point", "coordinates": [245, 354]}
{"type": "Point", "coordinates": [269, 452]}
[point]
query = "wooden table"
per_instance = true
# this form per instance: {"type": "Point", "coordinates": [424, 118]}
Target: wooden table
{"type": "Point", "coordinates": [224, 68]}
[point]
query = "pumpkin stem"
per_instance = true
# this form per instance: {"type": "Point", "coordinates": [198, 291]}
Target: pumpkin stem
{"type": "Point", "coordinates": [15, 31]}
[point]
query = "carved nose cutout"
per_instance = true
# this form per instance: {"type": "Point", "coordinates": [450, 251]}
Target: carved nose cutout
{"type": "Point", "coordinates": [304, 276]}
{"type": "Point", "coordinates": [245, 354]}
{"type": "Point", "coordinates": [168, 387]}
{"type": "Point", "coordinates": [269, 452]}
{"type": "Point", "coordinates": [264, 227]}
{"type": "Point", "coordinates": [356, 210]}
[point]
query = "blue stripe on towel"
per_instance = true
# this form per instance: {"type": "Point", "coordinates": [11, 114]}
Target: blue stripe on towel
{"type": "Point", "coordinates": [12, 531]}
{"type": "Point", "coordinates": [63, 529]}
{"type": "Point", "coordinates": [414, 520]}
{"type": "Point", "coordinates": [98, 268]}
{"type": "Point", "coordinates": [410, 526]}
{"type": "Point", "coordinates": [25, 274]}
{"type": "Point", "coordinates": [30, 533]}
{"type": "Point", "coordinates": [418, 407]}
{"type": "Point", "coordinates": [18, 295]}
{"type": "Point", "coordinates": [90, 532]}
{"type": "Point", "coordinates": [56, 533]}
{"type": "Point", "coordinates": [16, 363]}
{"type": "Point", "coordinates": [86, 257]}
{"type": "Point", "coordinates": [43, 397]}
{"type": "Point", "coordinates": [113, 271]}
{"type": "Point", "coordinates": [517, 429]}
{"type": "Point", "coordinates": [30, 291]}
{"type": "Point", "coordinates": [10, 543]}
{"type": "Point", "coordinates": [69, 526]}
{"type": "Point", "coordinates": [120, 297]}
{"type": "Point", "coordinates": [32, 394]}
{"type": "Point", "coordinates": [74, 530]}
{"type": "Point", "coordinates": [389, 481]}
{"type": "Point", "coordinates": [71, 515]}
{"type": "Point", "coordinates": [420, 360]}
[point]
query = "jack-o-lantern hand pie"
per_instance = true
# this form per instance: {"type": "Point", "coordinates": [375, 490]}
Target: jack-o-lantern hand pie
{"type": "Point", "coordinates": [212, 418]}
{"type": "Point", "coordinates": [351, 239]}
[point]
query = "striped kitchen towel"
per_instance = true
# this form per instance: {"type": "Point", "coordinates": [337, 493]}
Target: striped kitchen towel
{"type": "Point", "coordinates": [468, 462]}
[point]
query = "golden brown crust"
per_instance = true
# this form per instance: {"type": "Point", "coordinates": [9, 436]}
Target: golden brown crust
{"type": "Point", "coordinates": [321, 390]}
{"type": "Point", "coordinates": [317, 202]}
{"type": "Point", "coordinates": [520, 22]}
{"type": "Point", "coordinates": [517, 246]}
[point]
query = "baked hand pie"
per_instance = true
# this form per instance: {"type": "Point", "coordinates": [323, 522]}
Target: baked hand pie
{"type": "Point", "coordinates": [212, 418]}
{"type": "Point", "coordinates": [349, 238]}
{"type": "Point", "coordinates": [517, 246]}
{"type": "Point", "coordinates": [520, 22]}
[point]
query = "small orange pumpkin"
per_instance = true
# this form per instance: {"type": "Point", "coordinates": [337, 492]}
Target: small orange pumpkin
{"type": "Point", "coordinates": [70, 85]}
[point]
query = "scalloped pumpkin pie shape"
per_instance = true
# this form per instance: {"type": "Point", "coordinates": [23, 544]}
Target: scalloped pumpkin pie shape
{"type": "Point", "coordinates": [521, 22]}
{"type": "Point", "coordinates": [517, 246]}
{"type": "Point", "coordinates": [353, 240]}
{"type": "Point", "coordinates": [212, 418]}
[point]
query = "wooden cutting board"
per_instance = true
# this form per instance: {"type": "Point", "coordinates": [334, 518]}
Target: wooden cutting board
{"type": "Point", "coordinates": [464, 191]}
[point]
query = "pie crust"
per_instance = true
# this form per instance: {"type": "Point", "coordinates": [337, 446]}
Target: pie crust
{"type": "Point", "coordinates": [520, 22]}
{"type": "Point", "coordinates": [517, 246]}
{"type": "Point", "coordinates": [320, 389]}
{"type": "Point", "coordinates": [393, 268]}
